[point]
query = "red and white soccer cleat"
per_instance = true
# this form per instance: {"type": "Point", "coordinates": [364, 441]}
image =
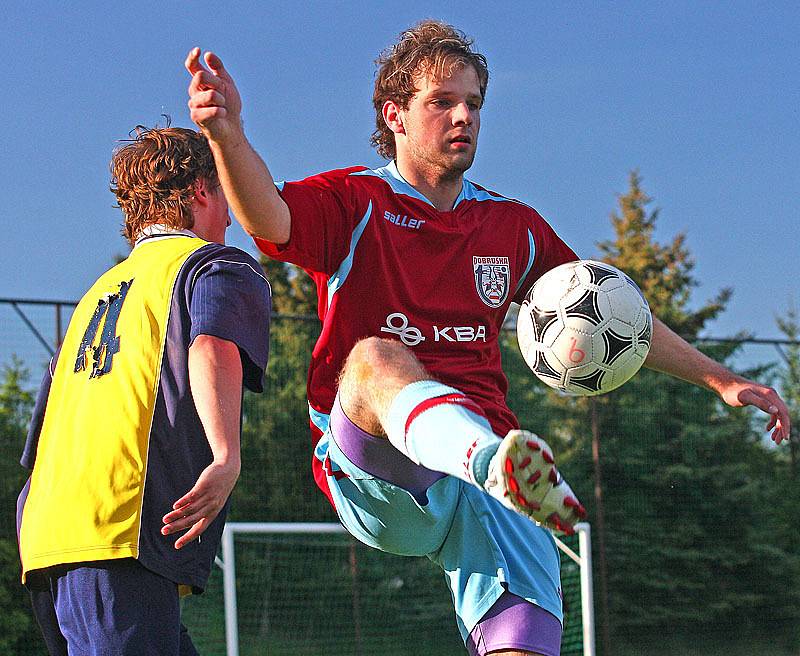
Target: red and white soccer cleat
{"type": "Point", "coordinates": [523, 476]}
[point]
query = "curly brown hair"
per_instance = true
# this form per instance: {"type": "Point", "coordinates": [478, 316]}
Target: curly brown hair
{"type": "Point", "coordinates": [430, 47]}
{"type": "Point", "coordinates": [153, 177]}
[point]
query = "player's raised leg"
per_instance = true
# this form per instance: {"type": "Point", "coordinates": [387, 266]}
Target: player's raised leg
{"type": "Point", "coordinates": [386, 391]}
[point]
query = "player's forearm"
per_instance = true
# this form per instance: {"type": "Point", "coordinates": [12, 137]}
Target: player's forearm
{"type": "Point", "coordinates": [215, 378]}
{"type": "Point", "coordinates": [671, 354]}
{"type": "Point", "coordinates": [251, 191]}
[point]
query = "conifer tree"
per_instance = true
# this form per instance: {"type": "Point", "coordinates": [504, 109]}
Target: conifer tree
{"type": "Point", "coordinates": [789, 325]}
{"type": "Point", "coordinates": [662, 271]}
{"type": "Point", "coordinates": [276, 482]}
{"type": "Point", "coordinates": [18, 631]}
{"type": "Point", "coordinates": [683, 474]}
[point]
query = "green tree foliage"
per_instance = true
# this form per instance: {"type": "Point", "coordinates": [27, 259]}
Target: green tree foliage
{"type": "Point", "coordinates": [789, 376]}
{"type": "Point", "coordinates": [700, 524]}
{"type": "Point", "coordinates": [687, 483]}
{"type": "Point", "coordinates": [785, 510]}
{"type": "Point", "coordinates": [18, 631]}
{"type": "Point", "coordinates": [662, 271]}
{"type": "Point", "coordinates": [276, 483]}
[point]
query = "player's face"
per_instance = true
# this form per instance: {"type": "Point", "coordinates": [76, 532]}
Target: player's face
{"type": "Point", "coordinates": [442, 121]}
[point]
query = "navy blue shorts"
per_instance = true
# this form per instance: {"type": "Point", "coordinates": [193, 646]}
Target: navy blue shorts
{"type": "Point", "coordinates": [109, 607]}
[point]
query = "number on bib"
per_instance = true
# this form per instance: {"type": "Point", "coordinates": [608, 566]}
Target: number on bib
{"type": "Point", "coordinates": [103, 354]}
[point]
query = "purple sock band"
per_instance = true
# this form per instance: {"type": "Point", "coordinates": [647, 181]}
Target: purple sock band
{"type": "Point", "coordinates": [377, 456]}
{"type": "Point", "coordinates": [513, 623]}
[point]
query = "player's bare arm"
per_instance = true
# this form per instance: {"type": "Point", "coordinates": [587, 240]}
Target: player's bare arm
{"type": "Point", "coordinates": [215, 377]}
{"type": "Point", "coordinates": [215, 106]}
{"type": "Point", "coordinates": [672, 355]}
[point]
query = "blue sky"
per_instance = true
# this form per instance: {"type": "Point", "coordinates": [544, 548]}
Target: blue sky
{"type": "Point", "coordinates": [702, 97]}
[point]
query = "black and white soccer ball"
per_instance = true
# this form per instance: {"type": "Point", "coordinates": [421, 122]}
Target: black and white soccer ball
{"type": "Point", "coordinates": [584, 328]}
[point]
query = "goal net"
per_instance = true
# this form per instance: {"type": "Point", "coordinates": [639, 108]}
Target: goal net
{"type": "Point", "coordinates": [310, 588]}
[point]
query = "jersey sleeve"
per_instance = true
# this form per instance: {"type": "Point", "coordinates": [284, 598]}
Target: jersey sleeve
{"type": "Point", "coordinates": [324, 210]}
{"type": "Point", "coordinates": [231, 299]}
{"type": "Point", "coordinates": [37, 418]}
{"type": "Point", "coordinates": [548, 251]}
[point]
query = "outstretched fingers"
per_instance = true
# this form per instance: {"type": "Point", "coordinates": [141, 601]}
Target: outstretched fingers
{"type": "Point", "coordinates": [204, 80]}
{"type": "Point", "coordinates": [767, 400]}
{"type": "Point", "coordinates": [216, 66]}
{"type": "Point", "coordinates": [185, 513]}
{"type": "Point", "coordinates": [196, 520]}
{"type": "Point", "coordinates": [212, 75]}
{"type": "Point", "coordinates": [195, 510]}
{"type": "Point", "coordinates": [192, 62]}
{"type": "Point", "coordinates": [780, 430]}
{"type": "Point", "coordinates": [214, 102]}
{"type": "Point", "coordinates": [194, 533]}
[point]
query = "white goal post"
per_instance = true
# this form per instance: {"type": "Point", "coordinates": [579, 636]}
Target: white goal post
{"type": "Point", "coordinates": [579, 553]}
{"type": "Point", "coordinates": [583, 559]}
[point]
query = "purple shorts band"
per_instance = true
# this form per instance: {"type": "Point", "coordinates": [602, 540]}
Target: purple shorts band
{"type": "Point", "coordinates": [513, 623]}
{"type": "Point", "coordinates": [377, 457]}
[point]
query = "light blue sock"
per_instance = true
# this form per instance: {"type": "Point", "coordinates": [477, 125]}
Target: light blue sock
{"type": "Point", "coordinates": [434, 425]}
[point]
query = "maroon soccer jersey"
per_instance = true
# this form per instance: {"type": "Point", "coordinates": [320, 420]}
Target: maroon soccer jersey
{"type": "Point", "coordinates": [387, 263]}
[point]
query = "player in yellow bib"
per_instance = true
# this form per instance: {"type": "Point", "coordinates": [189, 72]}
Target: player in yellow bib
{"type": "Point", "coordinates": [138, 418]}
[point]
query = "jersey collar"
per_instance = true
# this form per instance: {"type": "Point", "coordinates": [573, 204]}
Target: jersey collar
{"type": "Point", "coordinates": [160, 231]}
{"type": "Point", "coordinates": [391, 174]}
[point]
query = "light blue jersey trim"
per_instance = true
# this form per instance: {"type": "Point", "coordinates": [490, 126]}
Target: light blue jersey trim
{"type": "Point", "coordinates": [531, 256]}
{"type": "Point", "coordinates": [280, 185]}
{"type": "Point", "coordinates": [391, 176]}
{"type": "Point", "coordinates": [321, 421]}
{"type": "Point", "coordinates": [338, 278]}
{"type": "Point", "coordinates": [470, 192]}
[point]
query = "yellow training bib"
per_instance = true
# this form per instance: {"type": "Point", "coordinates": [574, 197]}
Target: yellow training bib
{"type": "Point", "coordinates": [87, 486]}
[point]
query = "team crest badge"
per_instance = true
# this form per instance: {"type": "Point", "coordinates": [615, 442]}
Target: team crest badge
{"type": "Point", "coordinates": [492, 275]}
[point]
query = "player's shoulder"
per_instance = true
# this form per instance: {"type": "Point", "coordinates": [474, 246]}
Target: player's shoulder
{"type": "Point", "coordinates": [361, 182]}
{"type": "Point", "coordinates": [334, 176]}
{"type": "Point", "coordinates": [224, 258]}
{"type": "Point", "coordinates": [212, 251]}
{"type": "Point", "coordinates": [487, 199]}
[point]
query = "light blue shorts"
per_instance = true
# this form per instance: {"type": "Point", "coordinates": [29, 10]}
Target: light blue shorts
{"type": "Point", "coordinates": [388, 502]}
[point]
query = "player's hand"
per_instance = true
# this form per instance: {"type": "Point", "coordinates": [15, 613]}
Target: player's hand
{"type": "Point", "coordinates": [743, 392]}
{"type": "Point", "coordinates": [196, 509]}
{"type": "Point", "coordinates": [214, 101]}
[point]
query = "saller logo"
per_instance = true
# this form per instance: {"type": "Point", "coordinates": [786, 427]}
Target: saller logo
{"type": "Point", "coordinates": [403, 220]}
{"type": "Point", "coordinates": [492, 275]}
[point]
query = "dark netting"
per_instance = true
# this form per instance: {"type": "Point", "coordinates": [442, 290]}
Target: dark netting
{"type": "Point", "coordinates": [700, 552]}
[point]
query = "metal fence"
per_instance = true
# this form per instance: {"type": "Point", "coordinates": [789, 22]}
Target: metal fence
{"type": "Point", "coordinates": [31, 330]}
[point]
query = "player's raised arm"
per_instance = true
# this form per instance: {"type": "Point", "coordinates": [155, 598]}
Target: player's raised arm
{"type": "Point", "coordinates": [672, 355]}
{"type": "Point", "coordinates": [215, 106]}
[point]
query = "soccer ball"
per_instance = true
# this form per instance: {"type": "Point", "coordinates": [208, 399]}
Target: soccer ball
{"type": "Point", "coordinates": [584, 328]}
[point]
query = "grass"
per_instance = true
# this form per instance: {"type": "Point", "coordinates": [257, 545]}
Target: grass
{"type": "Point", "coordinates": [705, 646]}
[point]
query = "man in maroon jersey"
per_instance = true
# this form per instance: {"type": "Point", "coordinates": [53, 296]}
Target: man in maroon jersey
{"type": "Point", "coordinates": [415, 268]}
